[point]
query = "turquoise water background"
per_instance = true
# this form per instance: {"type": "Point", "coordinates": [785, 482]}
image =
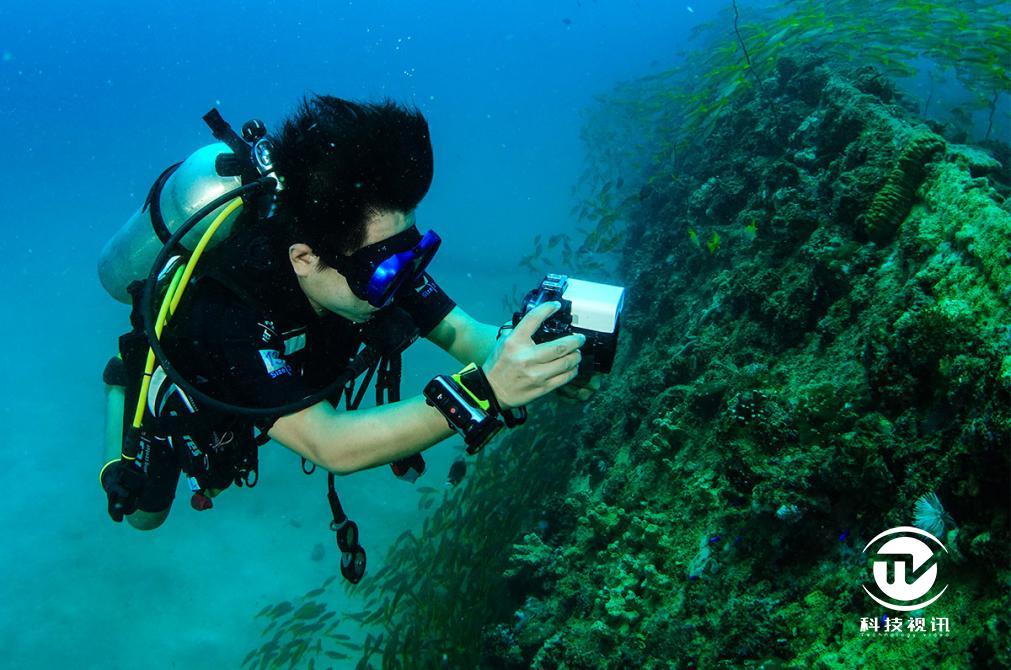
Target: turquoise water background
{"type": "Point", "coordinates": [95, 100]}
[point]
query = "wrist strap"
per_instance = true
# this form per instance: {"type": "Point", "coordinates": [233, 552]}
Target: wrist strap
{"type": "Point", "coordinates": [475, 382]}
{"type": "Point", "coordinates": [514, 417]}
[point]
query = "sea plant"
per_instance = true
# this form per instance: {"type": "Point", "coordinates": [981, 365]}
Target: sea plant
{"type": "Point", "coordinates": [929, 515]}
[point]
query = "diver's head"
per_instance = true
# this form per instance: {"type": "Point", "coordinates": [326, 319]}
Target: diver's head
{"type": "Point", "coordinates": [343, 162]}
{"type": "Point", "coordinates": [352, 175]}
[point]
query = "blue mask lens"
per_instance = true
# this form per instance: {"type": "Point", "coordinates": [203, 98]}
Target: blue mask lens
{"type": "Point", "coordinates": [378, 271]}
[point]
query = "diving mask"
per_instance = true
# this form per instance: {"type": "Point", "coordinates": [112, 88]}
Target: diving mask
{"type": "Point", "coordinates": [377, 272]}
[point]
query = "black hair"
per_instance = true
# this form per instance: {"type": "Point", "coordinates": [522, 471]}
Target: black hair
{"type": "Point", "coordinates": [342, 161]}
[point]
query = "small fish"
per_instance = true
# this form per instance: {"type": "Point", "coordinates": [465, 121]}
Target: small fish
{"type": "Point", "coordinates": [335, 655]}
{"type": "Point", "coordinates": [456, 472]}
{"type": "Point", "coordinates": [309, 611]}
{"type": "Point", "coordinates": [357, 616]}
{"type": "Point", "coordinates": [567, 21]}
{"type": "Point", "coordinates": [281, 608]}
{"type": "Point", "coordinates": [313, 594]}
{"type": "Point", "coordinates": [375, 616]}
{"type": "Point", "coordinates": [689, 8]}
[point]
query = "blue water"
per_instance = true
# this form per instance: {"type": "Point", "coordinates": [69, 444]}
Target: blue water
{"type": "Point", "coordinates": [95, 99]}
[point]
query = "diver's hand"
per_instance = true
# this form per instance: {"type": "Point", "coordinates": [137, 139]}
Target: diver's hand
{"type": "Point", "coordinates": [520, 370]}
{"type": "Point", "coordinates": [123, 484]}
{"type": "Point", "coordinates": [581, 388]}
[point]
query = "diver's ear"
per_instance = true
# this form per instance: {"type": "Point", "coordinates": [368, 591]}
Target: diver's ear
{"type": "Point", "coordinates": [303, 259]}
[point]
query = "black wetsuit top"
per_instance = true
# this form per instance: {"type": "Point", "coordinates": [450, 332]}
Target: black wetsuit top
{"type": "Point", "coordinates": [256, 342]}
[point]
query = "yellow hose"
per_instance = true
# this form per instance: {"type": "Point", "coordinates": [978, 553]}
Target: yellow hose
{"type": "Point", "coordinates": [205, 239]}
{"type": "Point", "coordinates": [138, 414]}
{"type": "Point", "coordinates": [176, 288]}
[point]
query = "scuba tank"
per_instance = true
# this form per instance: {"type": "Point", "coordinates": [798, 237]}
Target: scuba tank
{"type": "Point", "coordinates": [176, 195]}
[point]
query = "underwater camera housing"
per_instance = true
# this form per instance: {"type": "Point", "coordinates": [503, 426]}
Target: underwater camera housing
{"type": "Point", "coordinates": [587, 307]}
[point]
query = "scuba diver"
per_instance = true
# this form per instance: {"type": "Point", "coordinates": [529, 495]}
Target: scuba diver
{"type": "Point", "coordinates": [312, 273]}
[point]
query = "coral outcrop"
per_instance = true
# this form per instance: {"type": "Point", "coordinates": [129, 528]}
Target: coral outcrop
{"type": "Point", "coordinates": [782, 399]}
{"type": "Point", "coordinates": [891, 204]}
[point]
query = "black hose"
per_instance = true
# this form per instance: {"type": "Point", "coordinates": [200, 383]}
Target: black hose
{"type": "Point", "coordinates": [362, 362]}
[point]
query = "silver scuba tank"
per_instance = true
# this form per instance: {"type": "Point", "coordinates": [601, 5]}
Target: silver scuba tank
{"type": "Point", "coordinates": [131, 251]}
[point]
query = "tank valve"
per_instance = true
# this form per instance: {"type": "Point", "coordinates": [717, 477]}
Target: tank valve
{"type": "Point", "coordinates": [253, 130]}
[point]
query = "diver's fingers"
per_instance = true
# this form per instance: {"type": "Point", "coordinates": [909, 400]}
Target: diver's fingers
{"type": "Point", "coordinates": [567, 362]}
{"type": "Point", "coordinates": [562, 379]}
{"type": "Point", "coordinates": [555, 349]}
{"type": "Point", "coordinates": [534, 318]}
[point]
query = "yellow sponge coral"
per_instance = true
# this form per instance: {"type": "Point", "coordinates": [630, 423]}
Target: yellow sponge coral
{"type": "Point", "coordinates": [891, 204]}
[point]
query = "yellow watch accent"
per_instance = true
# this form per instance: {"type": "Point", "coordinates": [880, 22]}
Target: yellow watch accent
{"type": "Point", "coordinates": [483, 404]}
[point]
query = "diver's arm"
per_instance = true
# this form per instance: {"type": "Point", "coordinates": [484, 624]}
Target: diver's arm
{"type": "Point", "coordinates": [346, 442]}
{"type": "Point", "coordinates": [465, 338]}
{"type": "Point", "coordinates": [518, 371]}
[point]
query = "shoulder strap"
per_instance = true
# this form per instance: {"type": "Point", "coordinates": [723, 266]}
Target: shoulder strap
{"type": "Point", "coordinates": [237, 287]}
{"type": "Point", "coordinates": [232, 265]}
